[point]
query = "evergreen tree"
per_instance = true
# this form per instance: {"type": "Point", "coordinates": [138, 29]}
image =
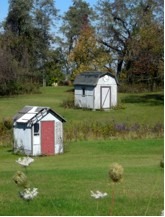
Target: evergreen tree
{"type": "Point", "coordinates": [28, 32]}
{"type": "Point", "coordinates": [74, 19]}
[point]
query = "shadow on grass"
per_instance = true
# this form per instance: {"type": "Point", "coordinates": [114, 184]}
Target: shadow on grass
{"type": "Point", "coordinates": [71, 90]}
{"type": "Point", "coordinates": [10, 150]}
{"type": "Point", "coordinates": [151, 99]}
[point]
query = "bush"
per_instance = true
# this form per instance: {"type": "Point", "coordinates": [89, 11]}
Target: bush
{"type": "Point", "coordinates": [28, 87]}
{"type": "Point", "coordinates": [13, 88]}
{"type": "Point", "coordinates": [6, 136]}
{"type": "Point", "coordinates": [8, 123]}
{"type": "Point", "coordinates": [134, 88]}
{"type": "Point", "coordinates": [162, 162]}
{"type": "Point", "coordinates": [68, 103]}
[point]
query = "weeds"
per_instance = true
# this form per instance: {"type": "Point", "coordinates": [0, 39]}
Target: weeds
{"type": "Point", "coordinates": [116, 175]}
{"type": "Point", "coordinates": [88, 130]}
{"type": "Point", "coordinates": [6, 132]}
{"type": "Point", "coordinates": [110, 130]}
{"type": "Point", "coordinates": [68, 103]}
{"type": "Point", "coordinates": [21, 180]}
{"type": "Point", "coordinates": [162, 162]}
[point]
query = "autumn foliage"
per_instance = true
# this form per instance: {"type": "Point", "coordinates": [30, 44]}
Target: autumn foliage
{"type": "Point", "coordinates": [87, 53]}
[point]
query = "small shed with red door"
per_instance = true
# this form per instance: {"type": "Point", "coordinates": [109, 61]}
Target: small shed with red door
{"type": "Point", "coordinates": [38, 131]}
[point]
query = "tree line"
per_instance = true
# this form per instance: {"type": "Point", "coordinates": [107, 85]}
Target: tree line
{"type": "Point", "coordinates": [38, 45]}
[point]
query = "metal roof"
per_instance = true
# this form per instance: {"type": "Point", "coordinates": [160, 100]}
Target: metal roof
{"type": "Point", "coordinates": [30, 114]}
{"type": "Point", "coordinates": [90, 78]}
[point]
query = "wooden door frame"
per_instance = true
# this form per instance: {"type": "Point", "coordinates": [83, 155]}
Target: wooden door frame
{"type": "Point", "coordinates": [109, 87]}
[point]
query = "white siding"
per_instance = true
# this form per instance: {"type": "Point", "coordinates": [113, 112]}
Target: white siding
{"type": "Point", "coordinates": [58, 137]}
{"type": "Point", "coordinates": [22, 138]}
{"type": "Point", "coordinates": [49, 117]}
{"type": "Point", "coordinates": [109, 83]}
{"type": "Point", "coordinates": [109, 80]}
{"type": "Point", "coordinates": [86, 100]}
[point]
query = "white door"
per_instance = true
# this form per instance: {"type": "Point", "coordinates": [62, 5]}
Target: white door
{"type": "Point", "coordinates": [105, 97]}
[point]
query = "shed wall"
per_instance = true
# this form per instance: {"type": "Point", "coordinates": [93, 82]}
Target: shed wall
{"type": "Point", "coordinates": [86, 100]}
{"type": "Point", "coordinates": [22, 138]}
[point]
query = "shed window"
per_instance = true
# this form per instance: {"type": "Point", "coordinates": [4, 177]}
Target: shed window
{"type": "Point", "coordinates": [36, 129]}
{"type": "Point", "coordinates": [83, 91]}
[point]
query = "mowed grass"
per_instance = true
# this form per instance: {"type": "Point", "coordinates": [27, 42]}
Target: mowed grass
{"type": "Point", "coordinates": [65, 181]}
{"type": "Point", "coordinates": [144, 108]}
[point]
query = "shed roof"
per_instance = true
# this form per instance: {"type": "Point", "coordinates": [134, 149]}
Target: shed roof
{"type": "Point", "coordinates": [90, 78]}
{"type": "Point", "coordinates": [29, 114]}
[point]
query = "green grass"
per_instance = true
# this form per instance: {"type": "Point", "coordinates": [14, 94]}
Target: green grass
{"type": "Point", "coordinates": [139, 108]}
{"type": "Point", "coordinates": [64, 181]}
{"type": "Point", "coordinates": [144, 110]}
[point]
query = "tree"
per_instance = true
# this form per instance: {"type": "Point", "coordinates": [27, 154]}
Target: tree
{"type": "Point", "coordinates": [145, 50]}
{"type": "Point", "coordinates": [87, 54]}
{"type": "Point", "coordinates": [9, 70]}
{"type": "Point", "coordinates": [18, 26]}
{"type": "Point", "coordinates": [44, 14]}
{"type": "Point", "coordinates": [146, 56]}
{"type": "Point", "coordinates": [53, 67]}
{"type": "Point", "coordinates": [120, 22]}
{"type": "Point", "coordinates": [28, 32]}
{"type": "Point", "coordinates": [74, 19]}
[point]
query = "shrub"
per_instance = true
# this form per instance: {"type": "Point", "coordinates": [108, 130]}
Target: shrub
{"type": "Point", "coordinates": [68, 103]}
{"type": "Point", "coordinates": [118, 106]}
{"type": "Point", "coordinates": [15, 87]}
{"type": "Point", "coordinates": [162, 162]}
{"type": "Point", "coordinates": [6, 136]}
{"type": "Point", "coordinates": [28, 87]}
{"type": "Point", "coordinates": [8, 123]}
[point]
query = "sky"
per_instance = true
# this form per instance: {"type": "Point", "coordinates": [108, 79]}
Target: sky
{"type": "Point", "coordinates": [62, 5]}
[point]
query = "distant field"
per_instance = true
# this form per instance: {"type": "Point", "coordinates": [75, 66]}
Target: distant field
{"type": "Point", "coordinates": [146, 108]}
{"type": "Point", "coordinates": [136, 115]}
{"type": "Point", "coordinates": [65, 181]}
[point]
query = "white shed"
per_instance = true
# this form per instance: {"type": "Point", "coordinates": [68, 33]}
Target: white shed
{"type": "Point", "coordinates": [38, 131]}
{"type": "Point", "coordinates": [95, 90]}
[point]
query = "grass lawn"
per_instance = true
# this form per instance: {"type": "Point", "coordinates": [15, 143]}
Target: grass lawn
{"type": "Point", "coordinates": [64, 181]}
{"type": "Point", "coordinates": [139, 108]}
{"type": "Point", "coordinates": [141, 114]}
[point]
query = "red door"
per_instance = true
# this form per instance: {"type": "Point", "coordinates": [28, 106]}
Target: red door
{"type": "Point", "coordinates": [47, 137]}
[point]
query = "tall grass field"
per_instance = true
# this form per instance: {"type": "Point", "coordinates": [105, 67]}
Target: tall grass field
{"type": "Point", "coordinates": [130, 134]}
